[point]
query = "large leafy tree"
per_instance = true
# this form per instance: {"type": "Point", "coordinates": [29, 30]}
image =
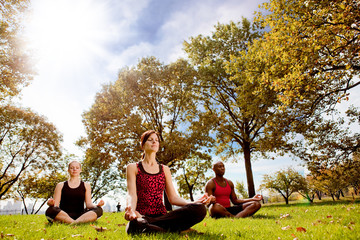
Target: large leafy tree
{"type": "Point", "coordinates": [15, 62]}
{"type": "Point", "coordinates": [245, 112]}
{"type": "Point", "coordinates": [27, 143]}
{"type": "Point", "coordinates": [149, 96]}
{"type": "Point", "coordinates": [311, 51]}
{"type": "Point", "coordinates": [310, 57]}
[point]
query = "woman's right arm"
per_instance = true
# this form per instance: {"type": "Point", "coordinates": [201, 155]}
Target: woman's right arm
{"type": "Point", "coordinates": [131, 203]}
{"type": "Point", "coordinates": [57, 194]}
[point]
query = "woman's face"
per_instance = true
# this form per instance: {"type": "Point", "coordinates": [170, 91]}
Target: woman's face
{"type": "Point", "coordinates": [74, 169]}
{"type": "Point", "coordinates": [152, 143]}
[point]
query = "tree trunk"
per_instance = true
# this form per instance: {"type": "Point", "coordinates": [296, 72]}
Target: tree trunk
{"type": "Point", "coordinates": [23, 201]}
{"type": "Point", "coordinates": [342, 193]}
{"type": "Point", "coordinates": [310, 198]}
{"type": "Point", "coordinates": [286, 200]}
{"type": "Point", "coordinates": [337, 195]}
{"type": "Point", "coordinates": [191, 193]}
{"type": "Point", "coordinates": [249, 175]}
{"type": "Point", "coordinates": [332, 195]}
{"type": "Point", "coordinates": [41, 206]}
{"type": "Point", "coordinates": [318, 194]}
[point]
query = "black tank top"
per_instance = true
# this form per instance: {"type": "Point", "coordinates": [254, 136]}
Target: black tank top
{"type": "Point", "coordinates": [72, 199]}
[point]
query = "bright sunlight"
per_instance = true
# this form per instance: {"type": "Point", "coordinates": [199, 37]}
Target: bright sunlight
{"type": "Point", "coordinates": [65, 31]}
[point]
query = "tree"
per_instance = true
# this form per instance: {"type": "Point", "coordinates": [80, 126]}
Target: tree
{"type": "Point", "coordinates": [38, 186]}
{"type": "Point", "coordinates": [333, 177]}
{"type": "Point", "coordinates": [285, 182]}
{"type": "Point", "coordinates": [330, 180]}
{"type": "Point", "coordinates": [27, 143]}
{"type": "Point", "coordinates": [327, 142]}
{"type": "Point", "coordinates": [193, 176]}
{"type": "Point", "coordinates": [351, 170]}
{"type": "Point", "coordinates": [15, 61]}
{"type": "Point", "coordinates": [309, 57]}
{"type": "Point", "coordinates": [246, 116]}
{"type": "Point", "coordinates": [240, 188]}
{"type": "Point", "coordinates": [309, 190]}
{"type": "Point", "coordinates": [311, 51]}
{"type": "Point", "coordinates": [149, 96]}
{"type": "Point", "coordinates": [103, 177]}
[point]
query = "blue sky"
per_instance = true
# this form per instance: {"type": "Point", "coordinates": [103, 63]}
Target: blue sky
{"type": "Point", "coordinates": [82, 44]}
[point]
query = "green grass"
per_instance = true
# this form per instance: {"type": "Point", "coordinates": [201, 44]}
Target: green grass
{"type": "Point", "coordinates": [321, 220]}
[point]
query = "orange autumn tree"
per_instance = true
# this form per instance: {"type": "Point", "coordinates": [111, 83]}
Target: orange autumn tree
{"type": "Point", "coordinates": [311, 52]}
{"type": "Point", "coordinates": [310, 57]}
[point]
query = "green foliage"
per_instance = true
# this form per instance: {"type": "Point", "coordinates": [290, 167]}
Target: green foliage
{"type": "Point", "coordinates": [309, 57]}
{"type": "Point", "coordinates": [15, 61]}
{"type": "Point", "coordinates": [191, 176]}
{"type": "Point", "coordinates": [334, 178]}
{"type": "Point", "coordinates": [149, 96]}
{"type": "Point", "coordinates": [27, 143]}
{"type": "Point", "coordinates": [329, 141]}
{"type": "Point", "coordinates": [285, 182]}
{"type": "Point", "coordinates": [38, 186]}
{"type": "Point", "coordinates": [245, 113]}
{"type": "Point", "coordinates": [311, 51]}
{"type": "Point", "coordinates": [325, 220]}
{"type": "Point", "coordinates": [240, 188]}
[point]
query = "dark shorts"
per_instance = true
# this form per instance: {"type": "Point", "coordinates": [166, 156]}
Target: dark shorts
{"type": "Point", "coordinates": [52, 212]}
{"type": "Point", "coordinates": [233, 210]}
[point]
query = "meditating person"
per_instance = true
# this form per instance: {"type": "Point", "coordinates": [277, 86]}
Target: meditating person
{"type": "Point", "coordinates": [222, 191]}
{"type": "Point", "coordinates": [67, 206]}
{"type": "Point", "coordinates": [146, 182]}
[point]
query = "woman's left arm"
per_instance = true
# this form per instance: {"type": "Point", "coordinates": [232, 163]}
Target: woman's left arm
{"type": "Point", "coordinates": [88, 202]}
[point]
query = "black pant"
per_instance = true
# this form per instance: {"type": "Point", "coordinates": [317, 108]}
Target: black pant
{"type": "Point", "coordinates": [180, 219]}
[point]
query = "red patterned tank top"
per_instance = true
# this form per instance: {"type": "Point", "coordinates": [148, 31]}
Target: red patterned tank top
{"type": "Point", "coordinates": [150, 189]}
{"type": "Point", "coordinates": [222, 194]}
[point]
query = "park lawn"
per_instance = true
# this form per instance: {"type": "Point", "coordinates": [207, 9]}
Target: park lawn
{"type": "Point", "coordinates": [321, 220]}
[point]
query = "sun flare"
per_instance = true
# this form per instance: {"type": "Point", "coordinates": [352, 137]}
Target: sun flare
{"type": "Point", "coordinates": [65, 30]}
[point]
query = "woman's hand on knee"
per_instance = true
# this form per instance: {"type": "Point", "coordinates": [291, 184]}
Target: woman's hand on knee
{"type": "Point", "coordinates": [130, 214]}
{"type": "Point", "coordinates": [101, 203]}
{"type": "Point", "coordinates": [205, 199]}
{"type": "Point", "coordinates": [51, 202]}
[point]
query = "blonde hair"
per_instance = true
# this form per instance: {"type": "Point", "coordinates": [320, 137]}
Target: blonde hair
{"type": "Point", "coordinates": [74, 162]}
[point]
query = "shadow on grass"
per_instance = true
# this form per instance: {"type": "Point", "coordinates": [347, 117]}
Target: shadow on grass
{"type": "Point", "coordinates": [191, 235]}
{"type": "Point", "coordinates": [263, 216]}
{"type": "Point", "coordinates": [316, 203]}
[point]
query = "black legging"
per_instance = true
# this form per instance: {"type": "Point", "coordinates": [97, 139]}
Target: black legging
{"type": "Point", "coordinates": [180, 219]}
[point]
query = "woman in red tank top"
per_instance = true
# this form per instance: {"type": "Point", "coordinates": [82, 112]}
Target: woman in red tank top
{"type": "Point", "coordinates": [146, 182]}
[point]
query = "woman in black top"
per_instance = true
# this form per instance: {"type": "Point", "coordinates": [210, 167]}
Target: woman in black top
{"type": "Point", "coordinates": [68, 203]}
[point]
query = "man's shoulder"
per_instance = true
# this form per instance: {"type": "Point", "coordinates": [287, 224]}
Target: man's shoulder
{"type": "Point", "coordinates": [230, 182]}
{"type": "Point", "coordinates": [210, 182]}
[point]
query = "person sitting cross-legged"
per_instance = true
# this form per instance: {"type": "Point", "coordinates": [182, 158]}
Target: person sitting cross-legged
{"type": "Point", "coordinates": [146, 182]}
{"type": "Point", "coordinates": [67, 206]}
{"type": "Point", "coordinates": [222, 190]}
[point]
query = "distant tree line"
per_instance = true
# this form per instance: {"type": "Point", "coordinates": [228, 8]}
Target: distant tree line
{"type": "Point", "coordinates": [332, 181]}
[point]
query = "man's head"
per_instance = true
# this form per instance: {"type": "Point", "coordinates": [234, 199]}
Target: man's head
{"type": "Point", "coordinates": [219, 168]}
